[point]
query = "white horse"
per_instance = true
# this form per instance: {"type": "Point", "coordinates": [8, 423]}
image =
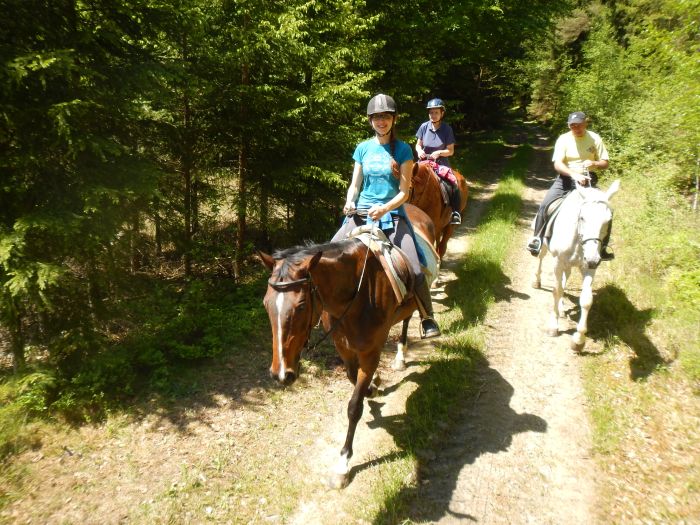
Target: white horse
{"type": "Point", "coordinates": [582, 222]}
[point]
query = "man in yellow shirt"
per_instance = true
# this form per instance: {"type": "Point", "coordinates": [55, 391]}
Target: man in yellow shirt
{"type": "Point", "coordinates": [578, 155]}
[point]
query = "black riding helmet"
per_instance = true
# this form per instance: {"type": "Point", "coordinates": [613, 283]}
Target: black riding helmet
{"type": "Point", "coordinates": [381, 104]}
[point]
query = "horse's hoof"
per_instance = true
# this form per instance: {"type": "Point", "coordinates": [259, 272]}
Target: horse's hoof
{"type": "Point", "coordinates": [552, 332]}
{"type": "Point", "coordinates": [577, 342]}
{"type": "Point", "coordinates": [399, 366]}
{"type": "Point", "coordinates": [373, 392]}
{"type": "Point", "coordinates": [536, 285]}
{"type": "Point", "coordinates": [576, 347]}
{"type": "Point", "coordinates": [337, 481]}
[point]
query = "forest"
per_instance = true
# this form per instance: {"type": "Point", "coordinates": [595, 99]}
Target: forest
{"type": "Point", "coordinates": [149, 148]}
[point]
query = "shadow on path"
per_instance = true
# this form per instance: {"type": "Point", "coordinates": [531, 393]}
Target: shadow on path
{"type": "Point", "coordinates": [487, 424]}
{"type": "Point", "coordinates": [614, 315]}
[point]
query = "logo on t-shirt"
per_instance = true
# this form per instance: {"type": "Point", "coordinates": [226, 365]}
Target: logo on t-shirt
{"type": "Point", "coordinates": [375, 164]}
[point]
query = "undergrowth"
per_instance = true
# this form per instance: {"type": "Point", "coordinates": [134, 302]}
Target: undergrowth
{"type": "Point", "coordinates": [171, 332]}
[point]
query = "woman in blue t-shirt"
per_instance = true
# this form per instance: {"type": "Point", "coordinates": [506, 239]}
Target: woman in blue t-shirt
{"type": "Point", "coordinates": [381, 181]}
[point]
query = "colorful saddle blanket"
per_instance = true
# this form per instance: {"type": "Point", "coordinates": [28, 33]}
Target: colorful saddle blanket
{"type": "Point", "coordinates": [444, 172]}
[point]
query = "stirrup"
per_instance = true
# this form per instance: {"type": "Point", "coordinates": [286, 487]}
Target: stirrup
{"type": "Point", "coordinates": [456, 218]}
{"type": "Point", "coordinates": [429, 328]}
{"type": "Point", "coordinates": [534, 246]}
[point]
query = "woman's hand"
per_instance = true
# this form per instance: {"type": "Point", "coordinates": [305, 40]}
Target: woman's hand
{"type": "Point", "coordinates": [376, 212]}
{"type": "Point", "coordinates": [435, 155]}
{"type": "Point", "coordinates": [349, 208]}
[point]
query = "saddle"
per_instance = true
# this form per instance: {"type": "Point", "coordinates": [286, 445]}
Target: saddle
{"type": "Point", "coordinates": [550, 216]}
{"type": "Point", "coordinates": [394, 260]}
{"type": "Point", "coordinates": [443, 172]}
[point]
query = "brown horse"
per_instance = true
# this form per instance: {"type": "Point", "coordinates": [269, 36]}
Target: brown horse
{"type": "Point", "coordinates": [344, 285]}
{"type": "Point", "coordinates": [427, 196]}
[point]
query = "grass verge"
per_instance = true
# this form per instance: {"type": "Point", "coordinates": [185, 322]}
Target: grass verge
{"type": "Point", "coordinates": [448, 380]}
{"type": "Point", "coordinates": [643, 389]}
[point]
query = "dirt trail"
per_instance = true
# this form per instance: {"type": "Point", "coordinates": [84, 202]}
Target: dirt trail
{"type": "Point", "coordinates": [521, 452]}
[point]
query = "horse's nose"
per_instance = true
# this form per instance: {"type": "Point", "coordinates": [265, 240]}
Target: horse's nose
{"type": "Point", "coordinates": [286, 379]}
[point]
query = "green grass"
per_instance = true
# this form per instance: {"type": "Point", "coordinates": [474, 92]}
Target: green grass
{"type": "Point", "coordinates": [643, 389]}
{"type": "Point", "coordinates": [447, 382]}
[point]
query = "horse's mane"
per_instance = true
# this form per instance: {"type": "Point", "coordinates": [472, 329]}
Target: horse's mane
{"type": "Point", "coordinates": [594, 194]}
{"type": "Point", "coordinates": [296, 254]}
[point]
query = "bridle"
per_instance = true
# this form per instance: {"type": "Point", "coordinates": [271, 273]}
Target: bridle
{"type": "Point", "coordinates": [583, 240]}
{"type": "Point", "coordinates": [282, 287]}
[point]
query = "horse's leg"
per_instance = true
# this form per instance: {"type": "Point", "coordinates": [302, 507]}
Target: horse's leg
{"type": "Point", "coordinates": [564, 279]}
{"type": "Point", "coordinates": [557, 294]}
{"type": "Point", "coordinates": [368, 365]}
{"type": "Point", "coordinates": [444, 237]}
{"type": "Point", "coordinates": [352, 365]}
{"type": "Point", "coordinates": [585, 302]}
{"type": "Point", "coordinates": [399, 361]}
{"type": "Point", "coordinates": [537, 281]}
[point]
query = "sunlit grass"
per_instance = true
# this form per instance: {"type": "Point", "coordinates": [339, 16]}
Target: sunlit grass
{"type": "Point", "coordinates": [447, 381]}
{"type": "Point", "coordinates": [643, 389]}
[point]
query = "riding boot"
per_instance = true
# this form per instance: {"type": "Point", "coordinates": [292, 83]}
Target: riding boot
{"type": "Point", "coordinates": [534, 245]}
{"type": "Point", "coordinates": [455, 202]}
{"type": "Point", "coordinates": [429, 327]}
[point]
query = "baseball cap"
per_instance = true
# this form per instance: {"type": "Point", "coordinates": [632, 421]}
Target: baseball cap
{"type": "Point", "coordinates": [577, 117]}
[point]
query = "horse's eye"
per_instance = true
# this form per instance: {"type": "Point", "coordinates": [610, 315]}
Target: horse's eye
{"type": "Point", "coordinates": [301, 306]}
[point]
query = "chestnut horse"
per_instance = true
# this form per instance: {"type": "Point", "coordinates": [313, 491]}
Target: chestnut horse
{"type": "Point", "coordinates": [343, 284]}
{"type": "Point", "coordinates": [427, 196]}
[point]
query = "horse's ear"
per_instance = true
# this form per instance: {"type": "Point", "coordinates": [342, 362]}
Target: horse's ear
{"type": "Point", "coordinates": [267, 260]}
{"type": "Point", "coordinates": [314, 260]}
{"type": "Point", "coordinates": [613, 189]}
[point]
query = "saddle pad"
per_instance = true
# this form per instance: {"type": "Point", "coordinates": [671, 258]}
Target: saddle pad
{"type": "Point", "coordinates": [550, 216]}
{"type": "Point", "coordinates": [431, 268]}
{"type": "Point", "coordinates": [444, 172]}
{"type": "Point", "coordinates": [385, 251]}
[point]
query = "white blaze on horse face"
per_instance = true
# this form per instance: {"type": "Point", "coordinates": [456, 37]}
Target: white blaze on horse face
{"type": "Point", "coordinates": [279, 303]}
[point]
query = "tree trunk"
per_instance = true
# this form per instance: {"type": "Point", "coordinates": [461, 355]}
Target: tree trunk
{"type": "Point", "coordinates": [186, 163]}
{"type": "Point", "coordinates": [134, 259]}
{"type": "Point", "coordinates": [241, 210]}
{"type": "Point", "coordinates": [242, 184]}
{"type": "Point", "coordinates": [16, 337]}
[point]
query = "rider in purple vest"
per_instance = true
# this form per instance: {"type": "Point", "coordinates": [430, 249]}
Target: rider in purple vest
{"type": "Point", "coordinates": [436, 141]}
